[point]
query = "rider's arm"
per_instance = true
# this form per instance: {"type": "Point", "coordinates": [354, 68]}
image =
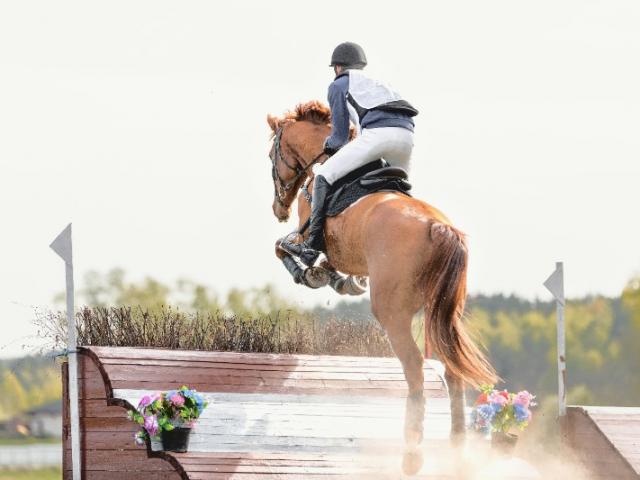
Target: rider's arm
{"type": "Point", "coordinates": [339, 115]}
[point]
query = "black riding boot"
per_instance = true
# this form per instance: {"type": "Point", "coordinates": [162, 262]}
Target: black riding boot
{"type": "Point", "coordinates": [311, 247]}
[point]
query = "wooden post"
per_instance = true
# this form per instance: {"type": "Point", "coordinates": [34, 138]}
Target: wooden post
{"type": "Point", "coordinates": [555, 284]}
{"type": "Point", "coordinates": [63, 247]}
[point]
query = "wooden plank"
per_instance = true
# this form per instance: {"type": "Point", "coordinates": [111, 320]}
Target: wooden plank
{"type": "Point", "coordinates": [621, 425]}
{"type": "Point", "coordinates": [172, 375]}
{"type": "Point", "coordinates": [594, 410]}
{"type": "Point", "coordinates": [125, 460]}
{"type": "Point", "coordinates": [202, 442]}
{"type": "Point", "coordinates": [125, 475]}
{"type": "Point", "coordinates": [303, 416]}
{"type": "Point", "coordinates": [364, 368]}
{"type": "Point", "coordinates": [356, 391]}
{"type": "Point", "coordinates": [295, 399]}
{"type": "Point", "coordinates": [236, 357]}
{"type": "Point", "coordinates": [151, 371]}
{"type": "Point", "coordinates": [594, 449]}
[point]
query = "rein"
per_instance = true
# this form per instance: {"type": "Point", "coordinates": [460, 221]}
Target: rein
{"type": "Point", "coordinates": [280, 186]}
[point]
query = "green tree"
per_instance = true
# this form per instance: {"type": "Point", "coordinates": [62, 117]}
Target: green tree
{"type": "Point", "coordinates": [631, 335]}
{"type": "Point", "coordinates": [14, 399]}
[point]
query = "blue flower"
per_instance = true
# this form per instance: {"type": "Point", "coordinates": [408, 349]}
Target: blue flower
{"type": "Point", "coordinates": [486, 412]}
{"type": "Point", "coordinates": [189, 394]}
{"type": "Point", "coordinates": [170, 393]}
{"type": "Point", "coordinates": [521, 413]}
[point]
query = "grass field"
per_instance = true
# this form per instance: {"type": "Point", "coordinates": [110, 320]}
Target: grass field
{"type": "Point", "coordinates": [27, 441]}
{"type": "Point", "coordinates": [40, 474]}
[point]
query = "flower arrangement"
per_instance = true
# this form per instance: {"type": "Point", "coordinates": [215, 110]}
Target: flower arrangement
{"type": "Point", "coordinates": [165, 411]}
{"type": "Point", "coordinates": [500, 411]}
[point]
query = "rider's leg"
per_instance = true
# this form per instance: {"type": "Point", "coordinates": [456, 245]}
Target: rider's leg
{"type": "Point", "coordinates": [314, 244]}
{"type": "Point", "coordinates": [363, 149]}
{"type": "Point", "coordinates": [397, 146]}
{"type": "Point", "coordinates": [370, 145]}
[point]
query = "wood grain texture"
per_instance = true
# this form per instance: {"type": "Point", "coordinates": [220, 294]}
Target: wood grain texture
{"type": "Point", "coordinates": [271, 416]}
{"type": "Point", "coordinates": [158, 369]}
{"type": "Point", "coordinates": [106, 452]}
{"type": "Point", "coordinates": [606, 440]}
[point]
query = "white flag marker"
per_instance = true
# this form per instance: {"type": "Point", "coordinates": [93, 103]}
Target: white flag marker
{"type": "Point", "coordinates": [555, 284]}
{"type": "Point", "coordinates": [63, 247]}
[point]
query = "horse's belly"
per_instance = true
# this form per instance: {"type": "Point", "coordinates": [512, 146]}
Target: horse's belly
{"type": "Point", "coordinates": [344, 245]}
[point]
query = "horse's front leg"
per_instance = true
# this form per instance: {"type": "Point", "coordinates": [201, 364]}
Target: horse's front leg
{"type": "Point", "coordinates": [350, 285]}
{"type": "Point", "coordinates": [313, 277]}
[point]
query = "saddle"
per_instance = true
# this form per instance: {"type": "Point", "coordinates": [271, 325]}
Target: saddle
{"type": "Point", "coordinates": [373, 177]}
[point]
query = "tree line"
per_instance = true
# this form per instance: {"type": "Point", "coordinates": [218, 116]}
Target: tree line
{"type": "Point", "coordinates": [519, 335]}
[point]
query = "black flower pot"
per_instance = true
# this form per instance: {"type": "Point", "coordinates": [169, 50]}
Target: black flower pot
{"type": "Point", "coordinates": [176, 440]}
{"type": "Point", "coordinates": [503, 443]}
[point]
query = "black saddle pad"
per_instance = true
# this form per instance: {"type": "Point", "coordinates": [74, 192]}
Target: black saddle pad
{"type": "Point", "coordinates": [370, 178]}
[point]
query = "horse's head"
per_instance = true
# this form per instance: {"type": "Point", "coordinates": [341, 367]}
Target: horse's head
{"type": "Point", "coordinates": [298, 138]}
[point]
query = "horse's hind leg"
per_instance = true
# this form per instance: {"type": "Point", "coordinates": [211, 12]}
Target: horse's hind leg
{"type": "Point", "coordinates": [456, 398]}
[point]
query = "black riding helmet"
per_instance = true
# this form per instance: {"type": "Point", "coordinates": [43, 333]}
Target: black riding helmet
{"type": "Point", "coordinates": [350, 55]}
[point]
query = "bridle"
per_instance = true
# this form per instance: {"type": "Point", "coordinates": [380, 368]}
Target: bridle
{"type": "Point", "coordinates": [281, 187]}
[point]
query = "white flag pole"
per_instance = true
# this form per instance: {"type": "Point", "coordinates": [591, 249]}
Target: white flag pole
{"type": "Point", "coordinates": [555, 284]}
{"type": "Point", "coordinates": [63, 247]}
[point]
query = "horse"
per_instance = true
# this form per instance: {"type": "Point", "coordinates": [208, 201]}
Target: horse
{"type": "Point", "coordinates": [412, 255]}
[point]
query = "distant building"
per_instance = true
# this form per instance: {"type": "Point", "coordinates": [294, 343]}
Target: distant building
{"type": "Point", "coordinates": [45, 420]}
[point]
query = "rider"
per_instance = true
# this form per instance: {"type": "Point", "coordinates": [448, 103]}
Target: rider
{"type": "Point", "coordinates": [384, 124]}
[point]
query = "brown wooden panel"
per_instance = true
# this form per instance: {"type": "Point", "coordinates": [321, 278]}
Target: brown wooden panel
{"type": "Point", "coordinates": [594, 449]}
{"type": "Point", "coordinates": [129, 475]}
{"type": "Point", "coordinates": [109, 450]}
{"type": "Point", "coordinates": [125, 460]}
{"type": "Point", "coordinates": [105, 455]}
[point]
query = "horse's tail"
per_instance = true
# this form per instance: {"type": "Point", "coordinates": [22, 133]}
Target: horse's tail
{"type": "Point", "coordinates": [446, 290]}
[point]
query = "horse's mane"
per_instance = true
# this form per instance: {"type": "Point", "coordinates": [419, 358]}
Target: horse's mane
{"type": "Point", "coordinates": [313, 111]}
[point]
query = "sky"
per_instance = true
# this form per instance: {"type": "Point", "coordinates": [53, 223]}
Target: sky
{"type": "Point", "coordinates": [143, 123]}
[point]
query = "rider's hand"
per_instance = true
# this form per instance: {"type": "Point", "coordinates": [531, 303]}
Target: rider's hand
{"type": "Point", "coordinates": [327, 149]}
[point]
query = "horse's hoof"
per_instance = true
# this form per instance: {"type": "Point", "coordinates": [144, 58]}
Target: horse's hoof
{"type": "Point", "coordinates": [355, 285]}
{"type": "Point", "coordinates": [457, 439]}
{"type": "Point", "coordinates": [316, 277]}
{"type": "Point", "coordinates": [412, 461]}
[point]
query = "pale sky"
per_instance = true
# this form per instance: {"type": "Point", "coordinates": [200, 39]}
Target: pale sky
{"type": "Point", "coordinates": [143, 123]}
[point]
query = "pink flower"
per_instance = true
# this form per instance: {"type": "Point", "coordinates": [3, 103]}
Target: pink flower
{"type": "Point", "coordinates": [523, 398]}
{"type": "Point", "coordinates": [177, 399]}
{"type": "Point", "coordinates": [498, 398]}
{"type": "Point", "coordinates": [151, 425]}
{"type": "Point", "coordinates": [148, 400]}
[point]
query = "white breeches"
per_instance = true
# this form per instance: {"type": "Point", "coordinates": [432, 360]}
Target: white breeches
{"type": "Point", "coordinates": [394, 144]}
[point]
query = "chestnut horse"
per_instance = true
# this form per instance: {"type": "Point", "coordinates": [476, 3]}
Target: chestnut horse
{"type": "Point", "coordinates": [413, 256]}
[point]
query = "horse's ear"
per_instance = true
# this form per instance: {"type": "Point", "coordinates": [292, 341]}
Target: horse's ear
{"type": "Point", "coordinates": [273, 122]}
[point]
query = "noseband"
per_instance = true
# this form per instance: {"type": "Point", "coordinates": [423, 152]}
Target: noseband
{"type": "Point", "coordinates": [280, 186]}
